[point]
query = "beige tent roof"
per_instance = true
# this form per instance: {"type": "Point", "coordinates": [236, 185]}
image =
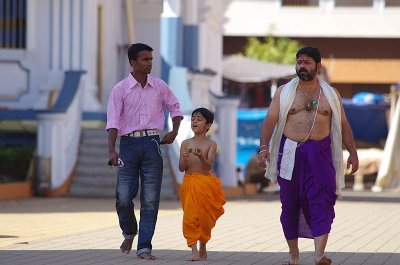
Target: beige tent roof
{"type": "Point", "coordinates": [363, 71]}
{"type": "Point", "coordinates": [243, 69]}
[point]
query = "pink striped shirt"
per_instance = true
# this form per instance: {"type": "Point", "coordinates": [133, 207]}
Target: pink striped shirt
{"type": "Point", "coordinates": [132, 107]}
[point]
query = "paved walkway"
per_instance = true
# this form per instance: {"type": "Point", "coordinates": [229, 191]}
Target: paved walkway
{"type": "Point", "coordinates": [63, 231]}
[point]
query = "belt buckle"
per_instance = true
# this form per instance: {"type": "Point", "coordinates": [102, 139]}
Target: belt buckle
{"type": "Point", "coordinates": [142, 133]}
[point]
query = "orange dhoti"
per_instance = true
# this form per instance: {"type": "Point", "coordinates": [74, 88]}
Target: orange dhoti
{"type": "Point", "coordinates": [202, 199]}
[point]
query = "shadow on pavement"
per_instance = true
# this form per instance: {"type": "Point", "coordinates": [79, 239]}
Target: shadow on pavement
{"type": "Point", "coordinates": [71, 205]}
{"type": "Point", "coordinates": [112, 256]}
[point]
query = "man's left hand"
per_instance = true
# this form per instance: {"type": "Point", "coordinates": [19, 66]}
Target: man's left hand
{"type": "Point", "coordinates": [169, 137]}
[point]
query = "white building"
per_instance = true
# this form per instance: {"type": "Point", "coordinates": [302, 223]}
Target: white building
{"type": "Point", "coordinates": [59, 59]}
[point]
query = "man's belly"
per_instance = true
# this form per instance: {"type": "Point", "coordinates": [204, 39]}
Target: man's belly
{"type": "Point", "coordinates": [301, 135]}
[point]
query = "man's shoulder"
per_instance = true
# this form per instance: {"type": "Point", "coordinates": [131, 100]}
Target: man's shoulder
{"type": "Point", "coordinates": [330, 88]}
{"type": "Point", "coordinates": [157, 82]}
{"type": "Point", "coordinates": [122, 84]}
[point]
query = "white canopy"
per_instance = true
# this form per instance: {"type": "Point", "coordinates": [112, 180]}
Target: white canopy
{"type": "Point", "coordinates": [243, 69]}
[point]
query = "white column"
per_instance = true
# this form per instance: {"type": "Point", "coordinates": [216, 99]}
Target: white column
{"type": "Point", "coordinates": [274, 87]}
{"type": "Point", "coordinates": [211, 20]}
{"type": "Point", "coordinates": [226, 118]}
{"type": "Point", "coordinates": [89, 53]}
{"type": "Point", "coordinates": [171, 36]}
{"type": "Point", "coordinates": [199, 89]}
{"type": "Point", "coordinates": [189, 14]}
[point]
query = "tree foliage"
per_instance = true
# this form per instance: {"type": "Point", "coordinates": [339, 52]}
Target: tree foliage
{"type": "Point", "coordinates": [272, 49]}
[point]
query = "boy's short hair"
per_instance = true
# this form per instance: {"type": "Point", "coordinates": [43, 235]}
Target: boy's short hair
{"type": "Point", "coordinates": [207, 114]}
{"type": "Point", "coordinates": [136, 48]}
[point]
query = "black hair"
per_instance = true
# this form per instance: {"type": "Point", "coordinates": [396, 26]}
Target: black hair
{"type": "Point", "coordinates": [311, 52]}
{"type": "Point", "coordinates": [136, 48]}
{"type": "Point", "coordinates": [207, 114]}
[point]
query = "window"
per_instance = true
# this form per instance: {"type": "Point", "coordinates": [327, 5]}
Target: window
{"type": "Point", "coordinates": [300, 2]}
{"type": "Point", "coordinates": [354, 3]}
{"type": "Point", "coordinates": [13, 24]}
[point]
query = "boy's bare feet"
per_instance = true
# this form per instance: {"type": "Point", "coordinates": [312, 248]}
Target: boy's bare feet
{"type": "Point", "coordinates": [203, 251]}
{"type": "Point", "coordinates": [323, 261]}
{"type": "Point", "coordinates": [146, 255]}
{"type": "Point", "coordinates": [126, 246]}
{"type": "Point", "coordinates": [195, 253]}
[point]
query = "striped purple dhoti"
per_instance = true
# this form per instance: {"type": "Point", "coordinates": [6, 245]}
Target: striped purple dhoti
{"type": "Point", "coordinates": [308, 199]}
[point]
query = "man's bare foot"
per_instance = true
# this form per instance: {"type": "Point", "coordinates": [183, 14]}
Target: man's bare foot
{"type": "Point", "coordinates": [126, 246]}
{"type": "Point", "coordinates": [146, 255]}
{"type": "Point", "coordinates": [323, 261]}
{"type": "Point", "coordinates": [195, 253]}
{"type": "Point", "coordinates": [293, 259]}
{"type": "Point", "coordinates": [203, 251]}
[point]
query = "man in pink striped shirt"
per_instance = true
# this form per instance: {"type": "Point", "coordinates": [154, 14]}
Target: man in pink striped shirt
{"type": "Point", "coordinates": [135, 113]}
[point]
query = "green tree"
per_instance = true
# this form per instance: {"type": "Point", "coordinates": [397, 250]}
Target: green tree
{"type": "Point", "coordinates": [272, 49]}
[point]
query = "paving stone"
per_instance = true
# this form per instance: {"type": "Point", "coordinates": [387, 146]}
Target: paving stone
{"type": "Point", "coordinates": [85, 231]}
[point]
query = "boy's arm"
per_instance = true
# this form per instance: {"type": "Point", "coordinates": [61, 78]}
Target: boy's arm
{"type": "Point", "coordinates": [183, 156]}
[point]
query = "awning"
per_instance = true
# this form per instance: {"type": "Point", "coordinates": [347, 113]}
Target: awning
{"type": "Point", "coordinates": [363, 71]}
{"type": "Point", "coordinates": [247, 70]}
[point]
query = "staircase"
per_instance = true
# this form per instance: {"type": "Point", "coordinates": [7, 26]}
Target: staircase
{"type": "Point", "coordinates": [94, 178]}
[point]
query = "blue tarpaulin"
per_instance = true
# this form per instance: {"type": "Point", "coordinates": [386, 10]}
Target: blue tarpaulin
{"type": "Point", "coordinates": [367, 121]}
{"type": "Point", "coordinates": [248, 140]}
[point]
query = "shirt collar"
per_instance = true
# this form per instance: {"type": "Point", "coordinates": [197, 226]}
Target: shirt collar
{"type": "Point", "coordinates": [133, 82]}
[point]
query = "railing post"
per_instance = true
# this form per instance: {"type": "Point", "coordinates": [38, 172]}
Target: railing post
{"type": "Point", "coordinates": [50, 157]}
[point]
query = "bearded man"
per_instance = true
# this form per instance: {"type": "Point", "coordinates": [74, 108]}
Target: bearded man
{"type": "Point", "coordinates": [301, 148]}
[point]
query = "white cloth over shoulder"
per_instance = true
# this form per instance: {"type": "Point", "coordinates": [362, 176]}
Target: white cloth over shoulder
{"type": "Point", "coordinates": [288, 157]}
{"type": "Point", "coordinates": [286, 99]}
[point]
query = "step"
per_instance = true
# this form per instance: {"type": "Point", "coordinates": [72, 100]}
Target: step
{"type": "Point", "coordinates": [94, 178]}
{"type": "Point", "coordinates": [92, 192]}
{"type": "Point", "coordinates": [94, 133]}
{"type": "Point", "coordinates": [89, 152]}
{"type": "Point", "coordinates": [95, 181]}
{"type": "Point", "coordinates": [104, 170]}
{"type": "Point", "coordinates": [93, 160]}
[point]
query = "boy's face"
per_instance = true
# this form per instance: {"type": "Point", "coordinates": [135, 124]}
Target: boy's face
{"type": "Point", "coordinates": [199, 124]}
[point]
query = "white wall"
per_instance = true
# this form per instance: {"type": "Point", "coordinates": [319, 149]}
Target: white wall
{"type": "Point", "coordinates": [259, 18]}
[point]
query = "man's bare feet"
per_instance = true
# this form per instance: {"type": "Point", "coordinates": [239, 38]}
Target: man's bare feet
{"type": "Point", "coordinates": [126, 246]}
{"type": "Point", "coordinates": [293, 259]}
{"type": "Point", "coordinates": [323, 261]}
{"type": "Point", "coordinates": [203, 251]}
{"type": "Point", "coordinates": [195, 253]}
{"type": "Point", "coordinates": [146, 255]}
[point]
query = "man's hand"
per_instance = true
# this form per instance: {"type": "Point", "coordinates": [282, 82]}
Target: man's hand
{"type": "Point", "coordinates": [169, 137]}
{"type": "Point", "coordinates": [113, 159]}
{"type": "Point", "coordinates": [263, 157]}
{"type": "Point", "coordinates": [353, 161]}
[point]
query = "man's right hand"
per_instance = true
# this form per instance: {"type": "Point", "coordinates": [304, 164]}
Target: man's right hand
{"type": "Point", "coordinates": [262, 156]}
{"type": "Point", "coordinates": [113, 159]}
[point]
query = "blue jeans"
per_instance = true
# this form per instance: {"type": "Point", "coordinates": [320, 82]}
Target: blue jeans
{"type": "Point", "coordinates": [142, 160]}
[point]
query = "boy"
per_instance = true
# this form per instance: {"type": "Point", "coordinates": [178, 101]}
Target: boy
{"type": "Point", "coordinates": [201, 193]}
